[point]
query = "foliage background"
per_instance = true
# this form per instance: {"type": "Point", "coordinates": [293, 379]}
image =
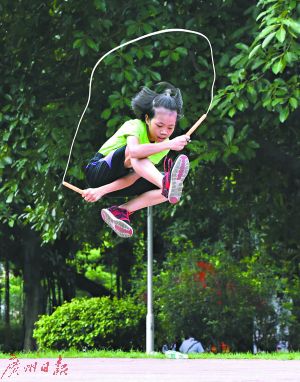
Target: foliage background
{"type": "Point", "coordinates": [239, 211]}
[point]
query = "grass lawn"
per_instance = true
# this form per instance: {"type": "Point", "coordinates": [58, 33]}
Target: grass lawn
{"type": "Point", "coordinates": [136, 354]}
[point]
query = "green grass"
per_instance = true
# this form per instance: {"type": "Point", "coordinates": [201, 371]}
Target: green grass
{"type": "Point", "coordinates": [83, 354]}
{"type": "Point", "coordinates": [267, 356]}
{"type": "Point", "coordinates": [136, 354]}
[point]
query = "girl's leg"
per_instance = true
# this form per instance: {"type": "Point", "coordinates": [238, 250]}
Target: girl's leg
{"type": "Point", "coordinates": [149, 198]}
{"type": "Point", "coordinates": [115, 165]}
{"type": "Point", "coordinates": [171, 183]}
{"type": "Point", "coordinates": [146, 169]}
{"type": "Point", "coordinates": [118, 217]}
{"type": "Point", "coordinates": [94, 194]}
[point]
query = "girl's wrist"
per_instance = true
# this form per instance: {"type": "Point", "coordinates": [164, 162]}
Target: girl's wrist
{"type": "Point", "coordinates": [166, 145]}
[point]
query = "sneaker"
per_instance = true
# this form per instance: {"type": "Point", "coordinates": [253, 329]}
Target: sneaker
{"type": "Point", "coordinates": [175, 173]}
{"type": "Point", "coordinates": [118, 219]}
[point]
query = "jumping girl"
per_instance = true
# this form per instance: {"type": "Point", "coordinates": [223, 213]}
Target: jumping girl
{"type": "Point", "coordinates": [125, 164]}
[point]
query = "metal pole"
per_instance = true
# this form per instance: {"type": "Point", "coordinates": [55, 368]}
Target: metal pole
{"type": "Point", "coordinates": [150, 317]}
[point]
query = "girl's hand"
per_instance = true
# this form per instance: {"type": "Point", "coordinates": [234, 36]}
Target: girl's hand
{"type": "Point", "coordinates": [91, 194]}
{"type": "Point", "coordinates": [179, 143]}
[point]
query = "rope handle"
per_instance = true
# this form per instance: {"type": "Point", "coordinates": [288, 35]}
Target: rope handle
{"type": "Point", "coordinates": [74, 188]}
{"type": "Point", "coordinates": [196, 125]}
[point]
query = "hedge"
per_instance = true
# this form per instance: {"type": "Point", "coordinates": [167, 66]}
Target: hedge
{"type": "Point", "coordinates": [93, 323]}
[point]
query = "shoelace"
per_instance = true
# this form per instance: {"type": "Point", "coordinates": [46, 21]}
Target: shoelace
{"type": "Point", "coordinates": [168, 163]}
{"type": "Point", "coordinates": [120, 213]}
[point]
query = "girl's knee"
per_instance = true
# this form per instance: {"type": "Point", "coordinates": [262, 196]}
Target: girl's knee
{"type": "Point", "coordinates": [134, 176]}
{"type": "Point", "coordinates": [139, 161]}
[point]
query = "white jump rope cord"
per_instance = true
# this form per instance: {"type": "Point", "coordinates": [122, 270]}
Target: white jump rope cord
{"type": "Point", "coordinates": [121, 46]}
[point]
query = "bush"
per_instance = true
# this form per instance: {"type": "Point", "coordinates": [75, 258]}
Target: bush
{"type": "Point", "coordinates": [208, 293]}
{"type": "Point", "coordinates": [86, 323]}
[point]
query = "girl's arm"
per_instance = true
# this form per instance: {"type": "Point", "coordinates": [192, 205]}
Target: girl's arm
{"type": "Point", "coordinates": [136, 150]}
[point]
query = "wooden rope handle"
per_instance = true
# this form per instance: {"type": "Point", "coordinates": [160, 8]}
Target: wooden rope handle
{"type": "Point", "coordinates": [74, 188]}
{"type": "Point", "coordinates": [194, 127]}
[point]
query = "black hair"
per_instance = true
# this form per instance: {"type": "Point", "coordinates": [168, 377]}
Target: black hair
{"type": "Point", "coordinates": [147, 100]}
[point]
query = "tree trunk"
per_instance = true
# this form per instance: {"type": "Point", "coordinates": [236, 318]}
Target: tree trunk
{"type": "Point", "coordinates": [32, 287]}
{"type": "Point", "coordinates": [68, 287]}
{"type": "Point", "coordinates": [95, 289]}
{"type": "Point", "coordinates": [53, 292]}
{"type": "Point", "coordinates": [0, 301]}
{"type": "Point", "coordinates": [59, 295]}
{"type": "Point", "coordinates": [7, 334]}
{"type": "Point", "coordinates": [118, 284]}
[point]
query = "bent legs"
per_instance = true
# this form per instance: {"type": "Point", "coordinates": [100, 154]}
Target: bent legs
{"type": "Point", "coordinates": [149, 198]}
{"type": "Point", "coordinates": [94, 194]}
{"type": "Point", "coordinates": [142, 168]}
{"type": "Point", "coordinates": [146, 169]}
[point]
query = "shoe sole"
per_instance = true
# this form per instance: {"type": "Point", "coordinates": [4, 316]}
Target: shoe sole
{"type": "Point", "coordinates": [120, 227]}
{"type": "Point", "coordinates": [178, 174]}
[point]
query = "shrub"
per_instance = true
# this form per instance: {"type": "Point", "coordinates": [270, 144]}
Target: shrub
{"type": "Point", "coordinates": [86, 323]}
{"type": "Point", "coordinates": [217, 298]}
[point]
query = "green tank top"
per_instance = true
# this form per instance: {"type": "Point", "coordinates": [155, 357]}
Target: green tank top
{"type": "Point", "coordinates": [133, 127]}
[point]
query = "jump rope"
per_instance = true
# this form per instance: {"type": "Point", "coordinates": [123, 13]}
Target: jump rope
{"type": "Point", "coordinates": [191, 130]}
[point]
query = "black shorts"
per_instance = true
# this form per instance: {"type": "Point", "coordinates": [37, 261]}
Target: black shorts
{"type": "Point", "coordinates": [104, 170]}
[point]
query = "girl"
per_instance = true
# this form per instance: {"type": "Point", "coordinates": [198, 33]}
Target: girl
{"type": "Point", "coordinates": [127, 160]}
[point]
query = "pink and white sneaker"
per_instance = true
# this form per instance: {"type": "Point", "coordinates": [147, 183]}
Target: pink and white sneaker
{"type": "Point", "coordinates": [175, 173]}
{"type": "Point", "coordinates": [118, 219]}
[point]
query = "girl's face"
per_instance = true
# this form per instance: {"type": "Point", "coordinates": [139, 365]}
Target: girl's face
{"type": "Point", "coordinates": [162, 125]}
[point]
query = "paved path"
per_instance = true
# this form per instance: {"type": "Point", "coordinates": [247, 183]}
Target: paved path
{"type": "Point", "coordinates": [150, 370]}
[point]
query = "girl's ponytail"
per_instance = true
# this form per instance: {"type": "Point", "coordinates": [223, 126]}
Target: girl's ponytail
{"type": "Point", "coordinates": [147, 100]}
